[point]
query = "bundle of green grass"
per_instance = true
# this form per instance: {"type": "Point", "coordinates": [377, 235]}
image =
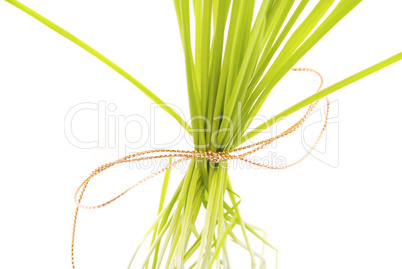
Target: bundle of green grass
{"type": "Point", "coordinates": [242, 50]}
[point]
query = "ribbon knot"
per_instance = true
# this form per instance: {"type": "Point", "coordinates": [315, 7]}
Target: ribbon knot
{"type": "Point", "coordinates": [213, 156]}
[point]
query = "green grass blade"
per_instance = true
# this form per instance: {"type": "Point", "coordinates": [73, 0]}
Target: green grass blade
{"type": "Point", "coordinates": [290, 47]}
{"type": "Point", "coordinates": [220, 243]}
{"type": "Point", "coordinates": [322, 94]}
{"type": "Point", "coordinates": [341, 10]}
{"type": "Point", "coordinates": [216, 59]}
{"type": "Point", "coordinates": [204, 54]}
{"type": "Point", "coordinates": [105, 60]}
{"type": "Point", "coordinates": [270, 51]}
{"type": "Point", "coordinates": [275, 17]}
{"type": "Point", "coordinates": [245, 71]}
{"type": "Point", "coordinates": [182, 10]}
{"type": "Point", "coordinates": [240, 41]}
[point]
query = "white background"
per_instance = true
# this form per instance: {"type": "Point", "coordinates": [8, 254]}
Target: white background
{"type": "Point", "coordinates": [339, 210]}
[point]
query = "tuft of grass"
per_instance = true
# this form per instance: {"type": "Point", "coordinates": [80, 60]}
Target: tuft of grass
{"type": "Point", "coordinates": [237, 62]}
